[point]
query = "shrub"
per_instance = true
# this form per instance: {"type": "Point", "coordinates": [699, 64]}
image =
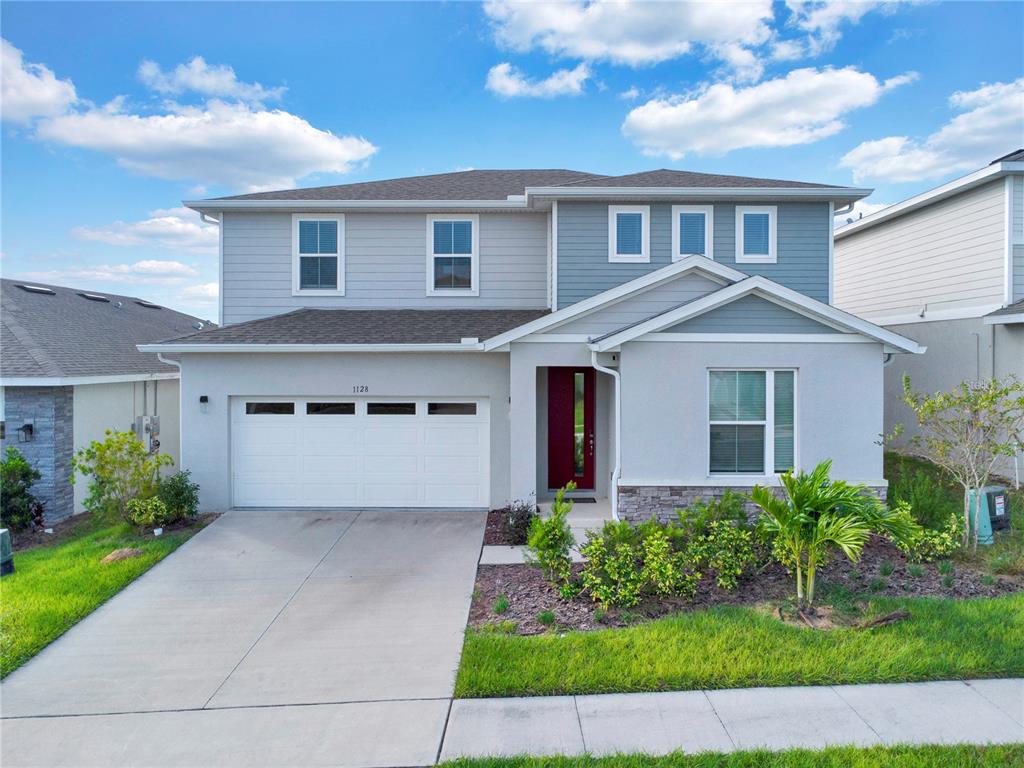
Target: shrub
{"type": "Point", "coordinates": [120, 469]}
{"type": "Point", "coordinates": [18, 507]}
{"type": "Point", "coordinates": [549, 541]}
{"type": "Point", "coordinates": [625, 563]}
{"type": "Point", "coordinates": [929, 499]}
{"type": "Point", "coordinates": [547, 618]}
{"type": "Point", "coordinates": [179, 494]}
{"type": "Point", "coordinates": [518, 516]}
{"type": "Point", "coordinates": [150, 513]}
{"type": "Point", "coordinates": [696, 519]}
{"type": "Point", "coordinates": [726, 549]}
{"type": "Point", "coordinates": [501, 605]}
{"type": "Point", "coordinates": [927, 544]}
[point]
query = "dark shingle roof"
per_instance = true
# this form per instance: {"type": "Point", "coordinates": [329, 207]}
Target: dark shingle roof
{"type": "Point", "coordinates": [666, 177]}
{"type": "Point", "coordinates": [461, 185]}
{"type": "Point", "coordinates": [62, 334]}
{"type": "Point", "coordinates": [1013, 309]}
{"type": "Point", "coordinates": [368, 326]}
{"type": "Point", "coordinates": [1013, 157]}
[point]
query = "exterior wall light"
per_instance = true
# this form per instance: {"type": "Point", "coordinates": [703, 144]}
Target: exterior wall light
{"type": "Point", "coordinates": [204, 403]}
{"type": "Point", "coordinates": [26, 432]}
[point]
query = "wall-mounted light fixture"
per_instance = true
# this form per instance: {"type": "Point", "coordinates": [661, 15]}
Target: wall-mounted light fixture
{"type": "Point", "coordinates": [25, 432]}
{"type": "Point", "coordinates": [204, 403]}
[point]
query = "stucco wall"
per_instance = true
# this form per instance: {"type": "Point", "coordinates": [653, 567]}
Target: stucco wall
{"type": "Point", "coordinates": [958, 350]}
{"type": "Point", "coordinates": [665, 410]}
{"type": "Point", "coordinates": [207, 436]}
{"type": "Point", "coordinates": [99, 407]}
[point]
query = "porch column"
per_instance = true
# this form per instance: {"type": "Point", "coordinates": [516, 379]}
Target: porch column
{"type": "Point", "coordinates": [523, 423]}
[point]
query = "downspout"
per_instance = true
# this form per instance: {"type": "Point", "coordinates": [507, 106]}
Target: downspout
{"type": "Point", "coordinates": [617, 468]}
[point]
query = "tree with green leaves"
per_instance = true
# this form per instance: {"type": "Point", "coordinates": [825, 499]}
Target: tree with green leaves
{"type": "Point", "coordinates": [119, 469]}
{"type": "Point", "coordinates": [966, 432]}
{"type": "Point", "coordinates": [819, 515]}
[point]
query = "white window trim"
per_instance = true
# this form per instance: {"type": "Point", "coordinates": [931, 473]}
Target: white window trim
{"type": "Point", "coordinates": [709, 230]}
{"type": "Point", "coordinates": [474, 289]}
{"type": "Point", "coordinates": [768, 422]}
{"type": "Point", "coordinates": [773, 231]}
{"type": "Point", "coordinates": [644, 256]}
{"type": "Point", "coordinates": [296, 290]}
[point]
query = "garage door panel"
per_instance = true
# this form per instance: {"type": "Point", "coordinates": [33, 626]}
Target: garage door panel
{"type": "Point", "coordinates": [315, 459]}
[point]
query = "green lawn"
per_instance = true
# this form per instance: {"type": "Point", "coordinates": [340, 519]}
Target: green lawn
{"type": "Point", "coordinates": [56, 585]}
{"type": "Point", "coordinates": [731, 647]}
{"type": "Point", "coordinates": [835, 757]}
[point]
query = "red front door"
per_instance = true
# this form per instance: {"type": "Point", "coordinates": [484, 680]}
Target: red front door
{"type": "Point", "coordinates": [571, 427]}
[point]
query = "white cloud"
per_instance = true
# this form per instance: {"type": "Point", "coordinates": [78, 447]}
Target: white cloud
{"type": "Point", "coordinates": [630, 33]}
{"type": "Point", "coordinates": [201, 291]}
{"type": "Point", "coordinates": [508, 82]}
{"type": "Point", "coordinates": [177, 228]}
{"type": "Point", "coordinates": [197, 76]}
{"type": "Point", "coordinates": [29, 91]}
{"type": "Point", "coordinates": [804, 106]}
{"type": "Point", "coordinates": [230, 145]}
{"type": "Point", "coordinates": [630, 94]}
{"type": "Point", "coordinates": [822, 21]}
{"type": "Point", "coordinates": [147, 271]}
{"type": "Point", "coordinates": [991, 124]}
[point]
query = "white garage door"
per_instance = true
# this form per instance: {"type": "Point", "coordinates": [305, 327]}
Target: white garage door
{"type": "Point", "coordinates": [359, 452]}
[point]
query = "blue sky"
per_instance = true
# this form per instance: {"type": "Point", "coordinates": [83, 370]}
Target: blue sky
{"type": "Point", "coordinates": [110, 119]}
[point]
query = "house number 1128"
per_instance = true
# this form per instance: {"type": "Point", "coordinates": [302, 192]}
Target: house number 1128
{"type": "Point", "coordinates": [359, 389]}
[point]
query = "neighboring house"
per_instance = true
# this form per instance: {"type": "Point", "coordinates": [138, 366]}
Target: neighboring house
{"type": "Point", "coordinates": [945, 268]}
{"type": "Point", "coordinates": [70, 369]}
{"type": "Point", "coordinates": [465, 339]}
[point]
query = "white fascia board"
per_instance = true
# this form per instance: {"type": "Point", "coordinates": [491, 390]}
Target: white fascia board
{"type": "Point", "coordinates": [956, 186]}
{"type": "Point", "coordinates": [170, 348]}
{"type": "Point", "coordinates": [70, 381]}
{"type": "Point", "coordinates": [713, 269]}
{"type": "Point", "coordinates": [761, 338]}
{"type": "Point", "coordinates": [1005, 319]}
{"type": "Point", "coordinates": [713, 193]}
{"type": "Point", "coordinates": [926, 315]}
{"type": "Point", "coordinates": [771, 291]}
{"type": "Point", "coordinates": [217, 206]}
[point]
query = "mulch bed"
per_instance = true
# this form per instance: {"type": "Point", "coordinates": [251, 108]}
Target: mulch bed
{"type": "Point", "coordinates": [495, 533]}
{"type": "Point", "coordinates": [528, 594]}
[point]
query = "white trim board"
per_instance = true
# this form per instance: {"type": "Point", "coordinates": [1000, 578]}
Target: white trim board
{"type": "Point", "coordinates": [70, 381]}
{"type": "Point", "coordinates": [711, 269]}
{"type": "Point", "coordinates": [1004, 319]}
{"type": "Point", "coordinates": [935, 315]}
{"type": "Point", "coordinates": [760, 338]}
{"type": "Point", "coordinates": [172, 348]}
{"type": "Point", "coordinates": [771, 291]}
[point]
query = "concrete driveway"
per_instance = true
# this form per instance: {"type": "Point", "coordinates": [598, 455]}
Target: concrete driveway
{"type": "Point", "coordinates": [271, 638]}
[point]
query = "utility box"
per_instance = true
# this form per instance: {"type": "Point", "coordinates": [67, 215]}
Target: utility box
{"type": "Point", "coordinates": [147, 429]}
{"type": "Point", "coordinates": [994, 514]}
{"type": "Point", "coordinates": [6, 553]}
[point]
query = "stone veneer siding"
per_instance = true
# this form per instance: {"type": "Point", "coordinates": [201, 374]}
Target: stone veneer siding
{"type": "Point", "coordinates": [50, 409]}
{"type": "Point", "coordinates": [637, 503]}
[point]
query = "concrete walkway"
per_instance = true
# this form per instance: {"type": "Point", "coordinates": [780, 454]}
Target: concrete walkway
{"type": "Point", "coordinates": [975, 711]}
{"type": "Point", "coordinates": [271, 638]}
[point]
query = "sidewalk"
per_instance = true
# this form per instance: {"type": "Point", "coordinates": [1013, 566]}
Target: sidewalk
{"type": "Point", "coordinates": [974, 711]}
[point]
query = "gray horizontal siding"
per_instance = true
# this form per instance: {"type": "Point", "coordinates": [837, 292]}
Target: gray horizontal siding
{"type": "Point", "coordinates": [385, 264]}
{"type": "Point", "coordinates": [640, 307]}
{"type": "Point", "coordinates": [804, 230]}
{"type": "Point", "coordinates": [751, 314]}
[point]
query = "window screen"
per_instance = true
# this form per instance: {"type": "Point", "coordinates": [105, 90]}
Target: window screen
{"type": "Point", "coordinates": [692, 233]}
{"type": "Point", "coordinates": [629, 234]}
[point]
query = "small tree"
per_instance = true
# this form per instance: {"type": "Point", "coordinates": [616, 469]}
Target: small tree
{"type": "Point", "coordinates": [966, 431]}
{"type": "Point", "coordinates": [18, 507]}
{"type": "Point", "coordinates": [818, 516]}
{"type": "Point", "coordinates": [120, 469]}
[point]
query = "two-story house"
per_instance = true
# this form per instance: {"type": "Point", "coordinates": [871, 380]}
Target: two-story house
{"type": "Point", "coordinates": [465, 339]}
{"type": "Point", "coordinates": [946, 268]}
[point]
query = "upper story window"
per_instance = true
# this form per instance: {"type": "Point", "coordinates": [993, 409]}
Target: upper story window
{"type": "Point", "coordinates": [756, 234]}
{"type": "Point", "coordinates": [318, 250]}
{"type": "Point", "coordinates": [692, 231]}
{"type": "Point", "coordinates": [752, 421]}
{"type": "Point", "coordinates": [629, 233]}
{"type": "Point", "coordinates": [453, 264]}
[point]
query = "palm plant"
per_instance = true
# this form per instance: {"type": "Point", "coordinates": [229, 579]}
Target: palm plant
{"type": "Point", "coordinates": [819, 515]}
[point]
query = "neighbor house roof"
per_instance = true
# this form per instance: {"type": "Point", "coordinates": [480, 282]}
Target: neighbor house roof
{"type": "Point", "coordinates": [665, 177]}
{"type": "Point", "coordinates": [54, 334]}
{"type": "Point", "coordinates": [1011, 314]}
{"type": "Point", "coordinates": [384, 327]}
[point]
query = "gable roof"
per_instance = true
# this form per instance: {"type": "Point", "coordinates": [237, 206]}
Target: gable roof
{"type": "Point", "coordinates": [772, 291]}
{"type": "Point", "coordinates": [1008, 315]}
{"type": "Point", "coordinates": [57, 333]}
{"type": "Point", "coordinates": [712, 269]}
{"type": "Point", "coordinates": [666, 177]}
{"type": "Point", "coordinates": [322, 329]}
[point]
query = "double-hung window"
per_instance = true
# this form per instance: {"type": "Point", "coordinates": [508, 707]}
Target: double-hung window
{"type": "Point", "coordinates": [692, 231]}
{"type": "Point", "coordinates": [752, 420]}
{"type": "Point", "coordinates": [318, 252]}
{"type": "Point", "coordinates": [756, 234]}
{"type": "Point", "coordinates": [453, 246]}
{"type": "Point", "coordinates": [629, 233]}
